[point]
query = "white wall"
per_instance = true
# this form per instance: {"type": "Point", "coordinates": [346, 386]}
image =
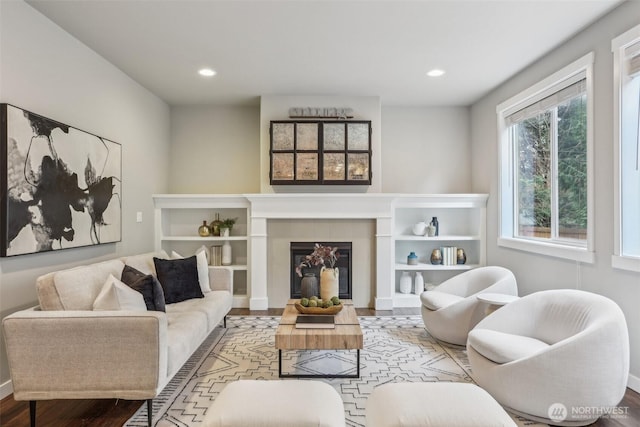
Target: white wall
{"type": "Point", "coordinates": [225, 149]}
{"type": "Point", "coordinates": [536, 272]}
{"type": "Point", "coordinates": [215, 149]}
{"type": "Point", "coordinates": [426, 150]}
{"type": "Point", "coordinates": [45, 70]}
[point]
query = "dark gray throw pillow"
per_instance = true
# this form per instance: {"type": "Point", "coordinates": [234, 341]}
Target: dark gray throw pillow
{"type": "Point", "coordinates": [147, 285]}
{"type": "Point", "coordinates": [179, 278]}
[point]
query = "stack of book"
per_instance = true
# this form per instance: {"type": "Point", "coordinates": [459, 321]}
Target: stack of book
{"type": "Point", "coordinates": [312, 321]}
{"type": "Point", "coordinates": [449, 255]}
{"type": "Point", "coordinates": [216, 255]}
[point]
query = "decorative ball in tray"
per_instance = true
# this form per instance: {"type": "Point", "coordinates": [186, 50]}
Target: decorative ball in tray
{"type": "Point", "coordinates": [314, 305]}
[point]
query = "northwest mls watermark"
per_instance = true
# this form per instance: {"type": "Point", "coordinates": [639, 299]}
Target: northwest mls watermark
{"type": "Point", "coordinates": [558, 412]}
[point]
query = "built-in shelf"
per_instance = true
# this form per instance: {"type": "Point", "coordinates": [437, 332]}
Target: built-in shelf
{"type": "Point", "coordinates": [201, 239]}
{"type": "Point", "coordinates": [462, 223]}
{"type": "Point", "coordinates": [178, 216]}
{"type": "Point", "coordinates": [436, 238]}
{"type": "Point", "coordinates": [426, 267]}
{"type": "Point", "coordinates": [462, 219]}
{"type": "Point", "coordinates": [237, 267]}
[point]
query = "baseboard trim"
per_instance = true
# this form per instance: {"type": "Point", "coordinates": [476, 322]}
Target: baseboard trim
{"type": "Point", "coordinates": [634, 383]}
{"type": "Point", "coordinates": [6, 389]}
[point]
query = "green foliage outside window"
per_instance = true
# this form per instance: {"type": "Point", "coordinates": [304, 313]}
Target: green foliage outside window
{"type": "Point", "coordinates": [534, 143]}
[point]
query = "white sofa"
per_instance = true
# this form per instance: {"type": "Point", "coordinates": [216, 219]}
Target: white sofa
{"type": "Point", "coordinates": [63, 349]}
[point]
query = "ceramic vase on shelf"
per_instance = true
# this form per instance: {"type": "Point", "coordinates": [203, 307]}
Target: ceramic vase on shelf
{"type": "Point", "coordinates": [434, 222]}
{"type": "Point", "coordinates": [405, 283]}
{"type": "Point", "coordinates": [418, 283]}
{"type": "Point", "coordinates": [436, 257]}
{"type": "Point", "coordinates": [214, 225]}
{"type": "Point", "coordinates": [309, 285]}
{"type": "Point", "coordinates": [329, 280]}
{"type": "Point", "coordinates": [204, 230]}
{"type": "Point", "coordinates": [419, 229]}
{"type": "Point", "coordinates": [226, 253]}
{"type": "Point", "coordinates": [461, 257]}
{"type": "Point", "coordinates": [224, 232]}
{"type": "Point", "coordinates": [412, 259]}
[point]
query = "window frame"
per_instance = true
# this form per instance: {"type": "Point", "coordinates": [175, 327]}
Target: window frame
{"type": "Point", "coordinates": [507, 237]}
{"type": "Point", "coordinates": [618, 46]}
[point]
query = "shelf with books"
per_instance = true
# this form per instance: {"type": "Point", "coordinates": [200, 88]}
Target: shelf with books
{"type": "Point", "coordinates": [461, 225]}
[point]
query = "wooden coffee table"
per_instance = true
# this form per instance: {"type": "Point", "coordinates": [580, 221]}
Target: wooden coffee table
{"type": "Point", "coordinates": [347, 335]}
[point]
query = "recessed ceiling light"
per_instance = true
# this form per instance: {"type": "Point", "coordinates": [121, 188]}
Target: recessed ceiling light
{"type": "Point", "coordinates": [207, 72]}
{"type": "Point", "coordinates": [435, 73]}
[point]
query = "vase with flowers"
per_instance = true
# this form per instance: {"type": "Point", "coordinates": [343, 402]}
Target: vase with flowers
{"type": "Point", "coordinates": [326, 258]}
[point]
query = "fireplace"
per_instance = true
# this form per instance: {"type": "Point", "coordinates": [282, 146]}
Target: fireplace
{"type": "Point", "coordinates": [298, 252]}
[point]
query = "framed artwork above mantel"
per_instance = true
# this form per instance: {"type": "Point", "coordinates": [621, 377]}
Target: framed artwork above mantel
{"type": "Point", "coordinates": [320, 152]}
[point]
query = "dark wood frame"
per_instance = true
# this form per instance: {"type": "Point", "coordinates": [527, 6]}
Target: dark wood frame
{"type": "Point", "coordinates": [320, 151]}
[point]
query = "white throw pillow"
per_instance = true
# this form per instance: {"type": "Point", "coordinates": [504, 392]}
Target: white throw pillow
{"type": "Point", "coordinates": [144, 262]}
{"type": "Point", "coordinates": [203, 268]}
{"type": "Point", "coordinates": [115, 295]}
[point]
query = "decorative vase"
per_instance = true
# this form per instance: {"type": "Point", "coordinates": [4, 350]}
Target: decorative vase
{"type": "Point", "coordinates": [434, 222]}
{"type": "Point", "coordinates": [419, 229]}
{"type": "Point", "coordinates": [405, 283]}
{"type": "Point", "coordinates": [436, 257]}
{"type": "Point", "coordinates": [214, 226]}
{"type": "Point", "coordinates": [412, 259]}
{"type": "Point", "coordinates": [224, 232]}
{"type": "Point", "coordinates": [226, 253]}
{"type": "Point", "coordinates": [431, 230]}
{"type": "Point", "coordinates": [329, 283]}
{"type": "Point", "coordinates": [461, 257]}
{"type": "Point", "coordinates": [418, 284]}
{"type": "Point", "coordinates": [204, 230]}
{"type": "Point", "coordinates": [309, 285]}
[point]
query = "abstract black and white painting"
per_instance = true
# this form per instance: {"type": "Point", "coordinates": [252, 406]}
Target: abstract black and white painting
{"type": "Point", "coordinates": [60, 186]}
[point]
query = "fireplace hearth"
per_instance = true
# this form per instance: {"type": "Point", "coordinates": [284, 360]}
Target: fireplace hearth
{"type": "Point", "coordinates": [299, 250]}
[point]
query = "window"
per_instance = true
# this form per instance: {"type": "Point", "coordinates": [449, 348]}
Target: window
{"type": "Point", "coordinates": [545, 149]}
{"type": "Point", "coordinates": [626, 52]}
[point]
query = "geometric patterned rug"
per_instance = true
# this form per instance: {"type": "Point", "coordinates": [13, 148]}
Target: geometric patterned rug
{"type": "Point", "coordinates": [396, 349]}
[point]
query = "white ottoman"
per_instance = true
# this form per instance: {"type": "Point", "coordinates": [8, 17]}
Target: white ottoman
{"type": "Point", "coordinates": [279, 403]}
{"type": "Point", "coordinates": [434, 404]}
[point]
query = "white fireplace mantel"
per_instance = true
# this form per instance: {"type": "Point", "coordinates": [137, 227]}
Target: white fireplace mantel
{"type": "Point", "coordinates": [320, 206]}
{"type": "Point", "coordinates": [316, 206]}
{"type": "Point", "coordinates": [380, 207]}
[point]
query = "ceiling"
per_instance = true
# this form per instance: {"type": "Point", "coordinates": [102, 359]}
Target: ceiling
{"type": "Point", "coordinates": [323, 47]}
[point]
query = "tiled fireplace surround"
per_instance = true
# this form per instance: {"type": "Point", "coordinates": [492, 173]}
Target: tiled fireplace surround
{"type": "Point", "coordinates": [278, 219]}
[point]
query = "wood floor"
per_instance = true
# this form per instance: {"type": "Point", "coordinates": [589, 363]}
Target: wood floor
{"type": "Point", "coordinates": [113, 413]}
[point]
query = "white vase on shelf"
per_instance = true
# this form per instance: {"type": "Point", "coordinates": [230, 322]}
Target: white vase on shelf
{"type": "Point", "coordinates": [405, 283]}
{"type": "Point", "coordinates": [418, 283]}
{"type": "Point", "coordinates": [226, 253]}
{"type": "Point", "coordinates": [419, 229]}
